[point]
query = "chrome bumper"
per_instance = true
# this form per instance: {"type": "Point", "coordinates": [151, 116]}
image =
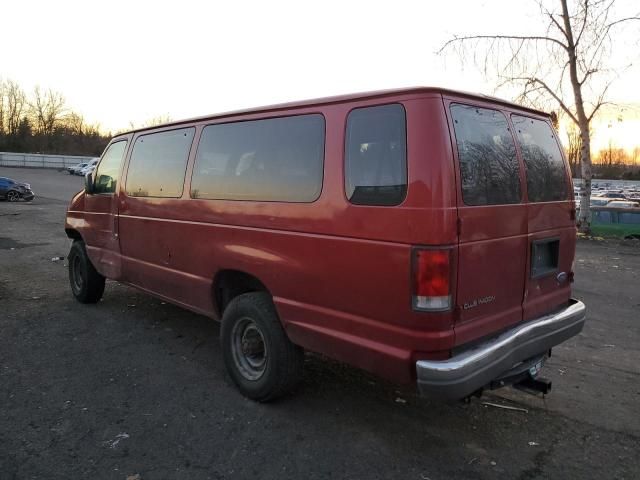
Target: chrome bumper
{"type": "Point", "coordinates": [472, 369]}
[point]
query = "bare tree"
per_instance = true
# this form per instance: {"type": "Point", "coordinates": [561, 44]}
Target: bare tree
{"type": "Point", "coordinates": [612, 155]}
{"type": "Point", "coordinates": [2, 107]}
{"type": "Point", "coordinates": [16, 101]}
{"type": "Point", "coordinates": [574, 147]}
{"type": "Point", "coordinates": [565, 64]}
{"type": "Point", "coordinates": [635, 156]}
{"type": "Point", "coordinates": [151, 122]}
{"type": "Point", "coordinates": [75, 123]}
{"type": "Point", "coordinates": [157, 120]}
{"type": "Point", "coordinates": [47, 109]}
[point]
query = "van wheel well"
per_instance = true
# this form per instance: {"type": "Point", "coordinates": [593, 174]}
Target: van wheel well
{"type": "Point", "coordinates": [228, 284]}
{"type": "Point", "coordinates": [73, 234]}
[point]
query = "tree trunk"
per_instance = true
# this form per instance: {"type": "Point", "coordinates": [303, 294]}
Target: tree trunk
{"type": "Point", "coordinates": [584, 219]}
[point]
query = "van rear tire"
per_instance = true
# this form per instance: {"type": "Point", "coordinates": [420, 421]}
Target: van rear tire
{"type": "Point", "coordinates": [260, 359]}
{"type": "Point", "coordinates": [87, 285]}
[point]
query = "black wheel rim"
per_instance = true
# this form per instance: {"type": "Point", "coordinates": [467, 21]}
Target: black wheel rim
{"type": "Point", "coordinates": [249, 349]}
{"type": "Point", "coordinates": [77, 274]}
{"type": "Point", "coordinates": [13, 196]}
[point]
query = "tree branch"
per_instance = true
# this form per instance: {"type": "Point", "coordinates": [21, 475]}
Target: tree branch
{"type": "Point", "coordinates": [600, 102]}
{"type": "Point", "coordinates": [543, 84]}
{"type": "Point", "coordinates": [501, 37]}
{"type": "Point", "coordinates": [546, 12]}
{"type": "Point", "coordinates": [587, 74]}
{"type": "Point", "coordinates": [621, 20]}
{"type": "Point", "coordinates": [584, 22]}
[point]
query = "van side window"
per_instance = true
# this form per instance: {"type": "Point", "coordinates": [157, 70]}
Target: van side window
{"type": "Point", "coordinates": [158, 164]}
{"type": "Point", "coordinates": [275, 159]}
{"type": "Point", "coordinates": [546, 175]}
{"type": "Point", "coordinates": [487, 156]}
{"type": "Point", "coordinates": [109, 168]}
{"type": "Point", "coordinates": [376, 155]}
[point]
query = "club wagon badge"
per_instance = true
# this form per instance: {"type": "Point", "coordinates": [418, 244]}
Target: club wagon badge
{"type": "Point", "coordinates": [478, 301]}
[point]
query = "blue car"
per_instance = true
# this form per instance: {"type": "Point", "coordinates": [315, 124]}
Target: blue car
{"type": "Point", "coordinates": [13, 191]}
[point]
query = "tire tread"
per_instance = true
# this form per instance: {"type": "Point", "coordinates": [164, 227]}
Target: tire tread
{"type": "Point", "coordinates": [289, 358]}
{"type": "Point", "coordinates": [94, 284]}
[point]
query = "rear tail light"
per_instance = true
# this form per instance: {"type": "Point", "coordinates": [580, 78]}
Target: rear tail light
{"type": "Point", "coordinates": [431, 280]}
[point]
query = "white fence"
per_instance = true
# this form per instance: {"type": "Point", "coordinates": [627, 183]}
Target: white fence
{"type": "Point", "coordinates": [36, 160]}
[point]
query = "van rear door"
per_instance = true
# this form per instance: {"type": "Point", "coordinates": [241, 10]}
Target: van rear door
{"type": "Point", "coordinates": [493, 221]}
{"type": "Point", "coordinates": [551, 217]}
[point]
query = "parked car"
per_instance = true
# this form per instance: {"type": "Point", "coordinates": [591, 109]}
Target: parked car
{"type": "Point", "coordinates": [623, 204]}
{"type": "Point", "coordinates": [13, 191]}
{"type": "Point", "coordinates": [89, 167]}
{"type": "Point", "coordinates": [76, 168]}
{"type": "Point", "coordinates": [599, 201]}
{"type": "Point", "coordinates": [616, 222]}
{"type": "Point", "coordinates": [401, 232]}
{"type": "Point", "coordinates": [612, 195]}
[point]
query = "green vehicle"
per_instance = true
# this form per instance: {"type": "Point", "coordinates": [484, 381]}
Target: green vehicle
{"type": "Point", "coordinates": [615, 222]}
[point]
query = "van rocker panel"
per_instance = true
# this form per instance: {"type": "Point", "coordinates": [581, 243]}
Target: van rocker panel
{"type": "Point", "coordinates": [472, 369]}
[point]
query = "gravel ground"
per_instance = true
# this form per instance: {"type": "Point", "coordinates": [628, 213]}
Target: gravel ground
{"type": "Point", "coordinates": [136, 386]}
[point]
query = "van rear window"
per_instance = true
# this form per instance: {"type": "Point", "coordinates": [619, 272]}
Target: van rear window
{"type": "Point", "coordinates": [276, 159]}
{"type": "Point", "coordinates": [546, 175]}
{"type": "Point", "coordinates": [487, 156]}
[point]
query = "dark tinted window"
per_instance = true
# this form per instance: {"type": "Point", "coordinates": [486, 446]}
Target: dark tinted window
{"type": "Point", "coordinates": [106, 177]}
{"type": "Point", "coordinates": [546, 178]}
{"type": "Point", "coordinates": [158, 164]}
{"type": "Point", "coordinates": [276, 159]}
{"type": "Point", "coordinates": [376, 155]}
{"type": "Point", "coordinates": [487, 155]}
{"type": "Point", "coordinates": [602, 217]}
{"type": "Point", "coordinates": [629, 218]}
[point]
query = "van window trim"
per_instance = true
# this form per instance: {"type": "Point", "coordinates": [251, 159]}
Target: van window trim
{"type": "Point", "coordinates": [524, 199]}
{"type": "Point", "coordinates": [129, 158]}
{"type": "Point", "coordinates": [567, 168]}
{"type": "Point", "coordinates": [344, 155]}
{"type": "Point", "coordinates": [203, 126]}
{"type": "Point", "coordinates": [123, 161]}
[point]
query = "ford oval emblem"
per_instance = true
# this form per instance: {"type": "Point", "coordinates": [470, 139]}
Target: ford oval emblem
{"type": "Point", "coordinates": [562, 277]}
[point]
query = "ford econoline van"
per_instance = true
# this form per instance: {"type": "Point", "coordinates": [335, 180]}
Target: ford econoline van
{"type": "Point", "coordinates": [424, 235]}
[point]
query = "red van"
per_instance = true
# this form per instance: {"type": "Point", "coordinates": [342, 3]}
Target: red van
{"type": "Point", "coordinates": [424, 235]}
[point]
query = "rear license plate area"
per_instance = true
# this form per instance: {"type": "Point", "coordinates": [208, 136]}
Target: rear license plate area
{"type": "Point", "coordinates": [544, 257]}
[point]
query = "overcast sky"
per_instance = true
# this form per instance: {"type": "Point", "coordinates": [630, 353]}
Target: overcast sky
{"type": "Point", "coordinates": [128, 61]}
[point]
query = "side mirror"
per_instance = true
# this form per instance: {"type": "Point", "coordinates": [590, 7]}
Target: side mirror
{"type": "Point", "coordinates": [88, 183]}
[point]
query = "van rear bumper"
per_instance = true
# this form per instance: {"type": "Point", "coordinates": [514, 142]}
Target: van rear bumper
{"type": "Point", "coordinates": [470, 370]}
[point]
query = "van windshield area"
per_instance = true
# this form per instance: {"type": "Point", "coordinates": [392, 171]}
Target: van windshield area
{"type": "Point", "coordinates": [487, 156]}
{"type": "Point", "coordinates": [546, 176]}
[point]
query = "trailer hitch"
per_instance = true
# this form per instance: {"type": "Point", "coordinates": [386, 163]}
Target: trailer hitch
{"type": "Point", "coordinates": [534, 385]}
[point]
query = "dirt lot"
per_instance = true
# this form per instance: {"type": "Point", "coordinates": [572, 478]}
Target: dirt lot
{"type": "Point", "coordinates": [136, 386]}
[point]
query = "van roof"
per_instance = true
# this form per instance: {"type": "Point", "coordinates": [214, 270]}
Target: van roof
{"type": "Point", "coordinates": [343, 99]}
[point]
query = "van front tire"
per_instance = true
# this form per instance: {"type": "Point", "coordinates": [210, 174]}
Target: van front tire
{"type": "Point", "coordinates": [260, 358]}
{"type": "Point", "coordinates": [87, 285]}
